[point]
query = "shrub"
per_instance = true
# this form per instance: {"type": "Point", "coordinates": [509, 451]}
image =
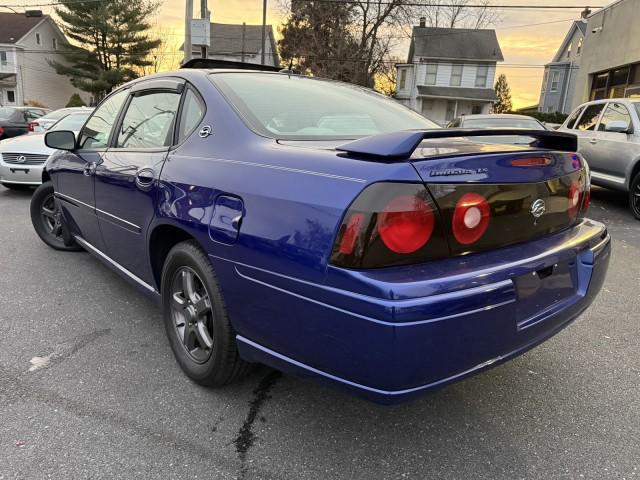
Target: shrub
{"type": "Point", "coordinates": [76, 101]}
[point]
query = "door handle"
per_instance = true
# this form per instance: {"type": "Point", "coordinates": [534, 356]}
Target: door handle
{"type": "Point", "coordinates": [89, 169]}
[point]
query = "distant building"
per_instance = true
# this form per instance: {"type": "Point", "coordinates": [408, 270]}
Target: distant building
{"type": "Point", "coordinates": [449, 72]}
{"type": "Point", "coordinates": [610, 65]}
{"type": "Point", "coordinates": [27, 40]}
{"type": "Point", "coordinates": [240, 43]}
{"type": "Point", "coordinates": [559, 80]}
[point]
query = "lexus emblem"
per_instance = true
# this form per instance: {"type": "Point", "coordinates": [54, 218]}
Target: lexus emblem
{"type": "Point", "coordinates": [538, 208]}
{"type": "Point", "coordinates": [21, 159]}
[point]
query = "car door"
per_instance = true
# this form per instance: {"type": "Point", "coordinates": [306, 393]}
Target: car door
{"type": "Point", "coordinates": [585, 129]}
{"type": "Point", "coordinates": [73, 172]}
{"type": "Point", "coordinates": [614, 149]}
{"type": "Point", "coordinates": [127, 178]}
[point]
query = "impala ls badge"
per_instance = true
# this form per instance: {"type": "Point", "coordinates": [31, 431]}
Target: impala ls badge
{"type": "Point", "coordinates": [538, 208]}
{"type": "Point", "coordinates": [21, 159]}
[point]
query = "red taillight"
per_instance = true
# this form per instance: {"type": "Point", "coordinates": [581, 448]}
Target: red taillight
{"type": "Point", "coordinates": [470, 218]}
{"type": "Point", "coordinates": [574, 200]}
{"type": "Point", "coordinates": [32, 126]}
{"type": "Point", "coordinates": [406, 224]}
{"type": "Point", "coordinates": [531, 162]}
{"type": "Point", "coordinates": [350, 236]}
{"type": "Point", "coordinates": [1, 130]}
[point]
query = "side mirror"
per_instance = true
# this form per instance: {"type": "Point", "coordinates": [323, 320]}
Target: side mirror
{"type": "Point", "coordinates": [60, 140]}
{"type": "Point", "coordinates": [618, 126]}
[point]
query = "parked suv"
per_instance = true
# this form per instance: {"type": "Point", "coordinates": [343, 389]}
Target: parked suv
{"type": "Point", "coordinates": [609, 139]}
{"type": "Point", "coordinates": [323, 229]}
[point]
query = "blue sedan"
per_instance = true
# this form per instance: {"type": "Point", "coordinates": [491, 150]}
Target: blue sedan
{"type": "Point", "coordinates": [325, 230]}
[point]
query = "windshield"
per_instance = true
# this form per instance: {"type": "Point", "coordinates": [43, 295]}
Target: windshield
{"type": "Point", "coordinates": [72, 122]}
{"type": "Point", "coordinates": [502, 123]}
{"type": "Point", "coordinates": [297, 107]}
{"type": "Point", "coordinates": [55, 115]}
{"type": "Point", "coordinates": [637, 105]}
{"type": "Point", "coordinates": [6, 113]}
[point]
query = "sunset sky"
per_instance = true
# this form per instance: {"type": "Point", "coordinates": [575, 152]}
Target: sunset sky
{"type": "Point", "coordinates": [521, 43]}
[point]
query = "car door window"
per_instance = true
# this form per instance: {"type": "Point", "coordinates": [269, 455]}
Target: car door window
{"type": "Point", "coordinates": [615, 112]}
{"type": "Point", "coordinates": [589, 118]}
{"type": "Point", "coordinates": [573, 117]}
{"type": "Point", "coordinates": [95, 134]}
{"type": "Point", "coordinates": [192, 112]}
{"type": "Point", "coordinates": [149, 120]}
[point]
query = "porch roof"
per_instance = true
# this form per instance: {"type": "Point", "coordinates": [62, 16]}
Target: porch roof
{"type": "Point", "coordinates": [458, 93]}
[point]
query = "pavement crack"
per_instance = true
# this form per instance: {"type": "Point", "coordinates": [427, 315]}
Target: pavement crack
{"type": "Point", "coordinates": [246, 437]}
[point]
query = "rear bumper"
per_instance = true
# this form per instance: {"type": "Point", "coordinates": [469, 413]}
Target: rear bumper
{"type": "Point", "coordinates": [392, 334]}
{"type": "Point", "coordinates": [20, 174]}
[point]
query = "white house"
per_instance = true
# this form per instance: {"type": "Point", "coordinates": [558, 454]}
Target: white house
{"type": "Point", "coordinates": [240, 43]}
{"type": "Point", "coordinates": [449, 72]}
{"type": "Point", "coordinates": [27, 40]}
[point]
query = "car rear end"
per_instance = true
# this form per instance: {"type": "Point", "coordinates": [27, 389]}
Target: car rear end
{"type": "Point", "coordinates": [485, 257]}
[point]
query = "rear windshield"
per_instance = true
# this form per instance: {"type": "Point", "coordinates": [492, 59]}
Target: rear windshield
{"type": "Point", "coordinates": [297, 107]}
{"type": "Point", "coordinates": [55, 115]}
{"type": "Point", "coordinates": [503, 123]}
{"type": "Point", "coordinates": [74, 122]}
{"type": "Point", "coordinates": [7, 113]}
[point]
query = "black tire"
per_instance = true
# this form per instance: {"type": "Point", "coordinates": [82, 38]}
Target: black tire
{"type": "Point", "coordinates": [634, 196]}
{"type": "Point", "coordinates": [196, 320]}
{"type": "Point", "coordinates": [48, 221]}
{"type": "Point", "coordinates": [16, 186]}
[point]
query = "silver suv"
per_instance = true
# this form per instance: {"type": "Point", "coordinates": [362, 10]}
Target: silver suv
{"type": "Point", "coordinates": [609, 139]}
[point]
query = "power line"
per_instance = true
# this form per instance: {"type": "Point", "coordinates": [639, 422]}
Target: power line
{"type": "Point", "coordinates": [473, 5]}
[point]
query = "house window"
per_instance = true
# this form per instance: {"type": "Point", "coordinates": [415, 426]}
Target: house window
{"type": "Point", "coordinates": [545, 80]}
{"type": "Point", "coordinates": [11, 96]}
{"type": "Point", "coordinates": [456, 75]}
{"type": "Point", "coordinates": [482, 71]}
{"type": "Point", "coordinates": [432, 72]}
{"type": "Point", "coordinates": [476, 109]}
{"type": "Point", "coordinates": [569, 49]}
{"type": "Point", "coordinates": [555, 80]}
{"type": "Point", "coordinates": [579, 46]}
{"type": "Point", "coordinates": [54, 43]}
{"type": "Point", "coordinates": [403, 78]}
{"type": "Point", "coordinates": [3, 58]}
{"type": "Point", "coordinates": [38, 42]}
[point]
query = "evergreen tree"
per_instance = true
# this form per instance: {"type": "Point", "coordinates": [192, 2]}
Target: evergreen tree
{"type": "Point", "coordinates": [111, 39]}
{"type": "Point", "coordinates": [503, 92]}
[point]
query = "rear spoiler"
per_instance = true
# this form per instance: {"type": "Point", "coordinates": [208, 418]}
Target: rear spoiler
{"type": "Point", "coordinates": [400, 145]}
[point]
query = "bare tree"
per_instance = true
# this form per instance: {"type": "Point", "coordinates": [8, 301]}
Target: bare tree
{"type": "Point", "coordinates": [458, 14]}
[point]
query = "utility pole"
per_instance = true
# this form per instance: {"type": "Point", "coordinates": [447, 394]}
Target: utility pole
{"type": "Point", "coordinates": [204, 15]}
{"type": "Point", "coordinates": [264, 30]}
{"type": "Point", "coordinates": [187, 31]}
{"type": "Point", "coordinates": [244, 28]}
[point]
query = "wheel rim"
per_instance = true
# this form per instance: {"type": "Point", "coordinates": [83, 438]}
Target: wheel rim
{"type": "Point", "coordinates": [635, 199]}
{"type": "Point", "coordinates": [51, 217]}
{"type": "Point", "coordinates": [192, 314]}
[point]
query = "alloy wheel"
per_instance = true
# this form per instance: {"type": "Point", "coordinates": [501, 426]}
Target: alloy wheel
{"type": "Point", "coordinates": [635, 201]}
{"type": "Point", "coordinates": [51, 216]}
{"type": "Point", "coordinates": [192, 314]}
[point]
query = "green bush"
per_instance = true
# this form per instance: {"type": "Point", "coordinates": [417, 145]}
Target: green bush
{"type": "Point", "coordinates": [555, 117]}
{"type": "Point", "coordinates": [76, 101]}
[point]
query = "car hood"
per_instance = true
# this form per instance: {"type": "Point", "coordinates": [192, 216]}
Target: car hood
{"type": "Point", "coordinates": [33, 143]}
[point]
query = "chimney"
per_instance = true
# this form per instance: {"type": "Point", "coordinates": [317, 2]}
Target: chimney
{"type": "Point", "coordinates": [423, 21]}
{"type": "Point", "coordinates": [585, 13]}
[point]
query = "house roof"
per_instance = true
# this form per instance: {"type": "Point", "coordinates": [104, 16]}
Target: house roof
{"type": "Point", "coordinates": [14, 26]}
{"type": "Point", "coordinates": [454, 44]}
{"type": "Point", "coordinates": [484, 94]}
{"type": "Point", "coordinates": [227, 39]}
{"type": "Point", "coordinates": [576, 25]}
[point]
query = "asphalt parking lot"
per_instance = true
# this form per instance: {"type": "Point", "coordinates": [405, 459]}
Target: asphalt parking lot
{"type": "Point", "coordinates": [109, 401]}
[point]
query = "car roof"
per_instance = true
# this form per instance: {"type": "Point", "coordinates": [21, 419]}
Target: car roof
{"type": "Point", "coordinates": [496, 115]}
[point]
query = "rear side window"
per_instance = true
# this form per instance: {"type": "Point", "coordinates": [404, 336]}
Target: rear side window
{"type": "Point", "coordinates": [590, 116]}
{"type": "Point", "coordinates": [149, 120]}
{"type": "Point", "coordinates": [192, 113]}
{"type": "Point", "coordinates": [615, 112]}
{"type": "Point", "coordinates": [573, 117]}
{"type": "Point", "coordinates": [95, 133]}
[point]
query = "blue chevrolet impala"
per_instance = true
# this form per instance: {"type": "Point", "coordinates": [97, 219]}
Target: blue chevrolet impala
{"type": "Point", "coordinates": [325, 230]}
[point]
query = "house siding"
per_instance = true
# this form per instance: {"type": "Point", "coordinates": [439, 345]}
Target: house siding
{"type": "Point", "coordinates": [38, 81]}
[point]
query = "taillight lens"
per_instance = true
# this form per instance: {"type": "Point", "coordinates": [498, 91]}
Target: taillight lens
{"type": "Point", "coordinates": [32, 126]}
{"type": "Point", "coordinates": [573, 205]}
{"type": "Point", "coordinates": [470, 218]}
{"type": "Point", "coordinates": [406, 224]}
{"type": "Point", "coordinates": [390, 224]}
